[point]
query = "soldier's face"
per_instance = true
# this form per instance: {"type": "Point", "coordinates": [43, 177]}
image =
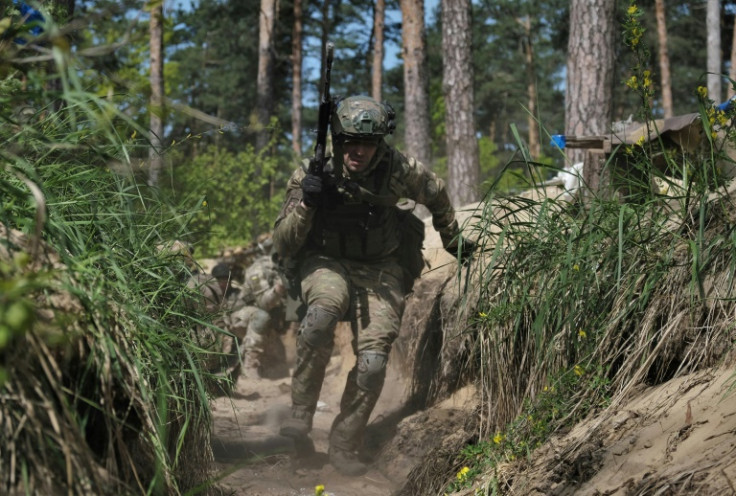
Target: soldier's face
{"type": "Point", "coordinates": [358, 154]}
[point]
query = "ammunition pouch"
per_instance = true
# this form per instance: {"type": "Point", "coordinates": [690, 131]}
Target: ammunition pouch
{"type": "Point", "coordinates": [294, 306]}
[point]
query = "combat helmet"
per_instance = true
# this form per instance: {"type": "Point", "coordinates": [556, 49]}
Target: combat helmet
{"type": "Point", "coordinates": [362, 117]}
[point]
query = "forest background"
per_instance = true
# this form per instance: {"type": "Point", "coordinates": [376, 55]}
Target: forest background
{"type": "Point", "coordinates": [220, 95]}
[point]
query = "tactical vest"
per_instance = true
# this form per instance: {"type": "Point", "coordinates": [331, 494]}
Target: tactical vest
{"type": "Point", "coordinates": [362, 224]}
{"type": "Point", "coordinates": [260, 276]}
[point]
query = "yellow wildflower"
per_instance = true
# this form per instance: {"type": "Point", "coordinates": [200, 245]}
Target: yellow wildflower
{"type": "Point", "coordinates": [632, 83]}
{"type": "Point", "coordinates": [498, 438]}
{"type": "Point", "coordinates": [463, 474]}
{"type": "Point", "coordinates": [647, 80]}
{"type": "Point", "coordinates": [576, 267]}
{"type": "Point", "coordinates": [319, 490]}
{"type": "Point", "coordinates": [641, 140]}
{"type": "Point", "coordinates": [633, 9]}
{"type": "Point", "coordinates": [204, 203]}
{"type": "Point", "coordinates": [582, 334]}
{"type": "Point", "coordinates": [579, 370]}
{"type": "Point", "coordinates": [482, 315]}
{"type": "Point", "coordinates": [702, 91]}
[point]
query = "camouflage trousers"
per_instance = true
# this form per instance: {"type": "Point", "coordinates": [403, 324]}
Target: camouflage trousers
{"type": "Point", "coordinates": [252, 326]}
{"type": "Point", "coordinates": [370, 297]}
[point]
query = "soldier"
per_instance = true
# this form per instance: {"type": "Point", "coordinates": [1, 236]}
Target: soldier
{"type": "Point", "coordinates": [219, 297]}
{"type": "Point", "coordinates": [344, 234]}
{"type": "Point", "coordinates": [258, 322]}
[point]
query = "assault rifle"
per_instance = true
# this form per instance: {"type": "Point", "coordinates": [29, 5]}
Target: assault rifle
{"type": "Point", "coordinates": [317, 163]}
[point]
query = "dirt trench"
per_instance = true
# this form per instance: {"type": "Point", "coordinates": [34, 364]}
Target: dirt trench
{"type": "Point", "coordinates": [254, 460]}
{"type": "Point", "coordinates": [421, 404]}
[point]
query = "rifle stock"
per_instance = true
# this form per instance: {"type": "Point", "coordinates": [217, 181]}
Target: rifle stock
{"type": "Point", "coordinates": [317, 163]}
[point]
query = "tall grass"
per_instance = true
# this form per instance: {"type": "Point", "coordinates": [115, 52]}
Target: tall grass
{"type": "Point", "coordinates": [102, 389]}
{"type": "Point", "coordinates": [577, 305]}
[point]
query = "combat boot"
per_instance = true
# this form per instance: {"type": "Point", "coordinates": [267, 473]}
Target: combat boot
{"type": "Point", "coordinates": [347, 462]}
{"type": "Point", "coordinates": [299, 424]}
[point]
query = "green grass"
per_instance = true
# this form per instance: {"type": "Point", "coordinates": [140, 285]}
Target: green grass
{"type": "Point", "coordinates": [575, 305]}
{"type": "Point", "coordinates": [102, 383]}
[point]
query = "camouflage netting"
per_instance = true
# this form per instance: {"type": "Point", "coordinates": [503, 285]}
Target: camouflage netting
{"type": "Point", "coordinates": [77, 415]}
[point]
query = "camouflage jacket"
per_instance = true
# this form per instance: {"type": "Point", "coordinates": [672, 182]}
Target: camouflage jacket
{"type": "Point", "coordinates": [361, 223]}
{"type": "Point", "coordinates": [212, 299]}
{"type": "Point", "coordinates": [259, 287]}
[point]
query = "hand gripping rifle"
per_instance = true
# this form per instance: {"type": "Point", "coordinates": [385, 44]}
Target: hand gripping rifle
{"type": "Point", "coordinates": [317, 163]}
{"type": "Point", "coordinates": [295, 308]}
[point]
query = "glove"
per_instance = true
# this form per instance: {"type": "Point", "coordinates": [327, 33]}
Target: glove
{"type": "Point", "coordinates": [312, 190]}
{"type": "Point", "coordinates": [466, 249]}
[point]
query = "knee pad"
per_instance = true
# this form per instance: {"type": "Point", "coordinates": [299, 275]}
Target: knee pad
{"type": "Point", "coordinates": [371, 370]}
{"type": "Point", "coordinates": [318, 327]}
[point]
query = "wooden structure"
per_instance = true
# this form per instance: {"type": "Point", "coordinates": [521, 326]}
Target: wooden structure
{"type": "Point", "coordinates": [608, 169]}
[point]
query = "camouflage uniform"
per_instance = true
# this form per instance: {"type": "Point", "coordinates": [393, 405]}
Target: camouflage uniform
{"type": "Point", "coordinates": [255, 323]}
{"type": "Point", "coordinates": [220, 298]}
{"type": "Point", "coordinates": [349, 271]}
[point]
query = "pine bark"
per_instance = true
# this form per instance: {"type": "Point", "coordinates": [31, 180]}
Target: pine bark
{"type": "Point", "coordinates": [379, 19]}
{"type": "Point", "coordinates": [463, 169]}
{"type": "Point", "coordinates": [264, 79]}
{"type": "Point", "coordinates": [535, 147]}
{"type": "Point", "coordinates": [416, 82]}
{"type": "Point", "coordinates": [732, 72]}
{"type": "Point", "coordinates": [590, 68]}
{"type": "Point", "coordinates": [296, 79]}
{"type": "Point", "coordinates": [156, 121]}
{"type": "Point", "coordinates": [664, 60]}
{"type": "Point", "coordinates": [713, 27]}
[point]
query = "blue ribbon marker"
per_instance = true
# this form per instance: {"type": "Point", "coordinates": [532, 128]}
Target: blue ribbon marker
{"type": "Point", "coordinates": [33, 20]}
{"type": "Point", "coordinates": [558, 140]}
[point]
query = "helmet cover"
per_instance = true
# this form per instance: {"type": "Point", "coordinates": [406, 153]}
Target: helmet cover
{"type": "Point", "coordinates": [362, 117]}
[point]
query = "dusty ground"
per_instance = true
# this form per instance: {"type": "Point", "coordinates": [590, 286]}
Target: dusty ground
{"type": "Point", "coordinates": [256, 461]}
{"type": "Point", "coordinates": [676, 438]}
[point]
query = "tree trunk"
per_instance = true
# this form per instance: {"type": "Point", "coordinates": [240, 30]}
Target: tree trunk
{"type": "Point", "coordinates": [664, 60]}
{"type": "Point", "coordinates": [156, 112]}
{"type": "Point", "coordinates": [590, 67]}
{"type": "Point", "coordinates": [296, 70]}
{"type": "Point", "coordinates": [264, 83]}
{"type": "Point", "coordinates": [732, 71]}
{"type": "Point", "coordinates": [325, 36]}
{"type": "Point", "coordinates": [463, 168]}
{"type": "Point", "coordinates": [416, 83]}
{"type": "Point", "coordinates": [713, 27]}
{"type": "Point", "coordinates": [379, 18]}
{"type": "Point", "coordinates": [535, 148]}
